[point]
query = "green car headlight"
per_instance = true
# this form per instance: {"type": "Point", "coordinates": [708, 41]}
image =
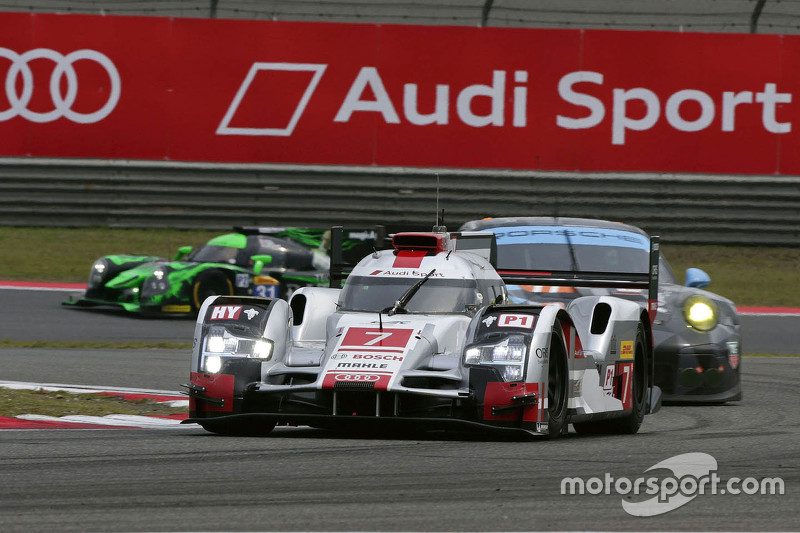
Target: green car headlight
{"type": "Point", "coordinates": [700, 313]}
{"type": "Point", "coordinates": [98, 273]}
{"type": "Point", "coordinates": [157, 283]}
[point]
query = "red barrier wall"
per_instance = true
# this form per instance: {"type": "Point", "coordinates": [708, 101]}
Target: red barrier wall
{"type": "Point", "coordinates": [362, 94]}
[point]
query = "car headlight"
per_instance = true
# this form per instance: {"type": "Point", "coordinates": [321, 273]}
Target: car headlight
{"type": "Point", "coordinates": [98, 273]}
{"type": "Point", "coordinates": [220, 345]}
{"type": "Point", "coordinates": [700, 313]}
{"type": "Point", "coordinates": [508, 356]}
{"type": "Point", "coordinates": [157, 283]}
{"type": "Point", "coordinates": [263, 349]}
{"type": "Point", "coordinates": [213, 364]}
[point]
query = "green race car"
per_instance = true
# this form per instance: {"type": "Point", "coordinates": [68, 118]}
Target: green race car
{"type": "Point", "coordinates": [265, 262]}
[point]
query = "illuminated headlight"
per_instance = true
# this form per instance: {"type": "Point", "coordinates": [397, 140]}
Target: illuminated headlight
{"type": "Point", "coordinates": [97, 273]}
{"type": "Point", "coordinates": [213, 364]}
{"type": "Point", "coordinates": [262, 349]}
{"type": "Point", "coordinates": [508, 356]}
{"type": "Point", "coordinates": [159, 274]}
{"type": "Point", "coordinates": [700, 313]}
{"type": "Point", "coordinates": [220, 345]}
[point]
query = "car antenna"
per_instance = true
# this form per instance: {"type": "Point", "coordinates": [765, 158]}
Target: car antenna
{"type": "Point", "coordinates": [439, 227]}
{"type": "Point", "coordinates": [437, 198]}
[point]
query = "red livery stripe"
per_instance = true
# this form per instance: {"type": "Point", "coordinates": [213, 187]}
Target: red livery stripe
{"type": "Point", "coordinates": [409, 258]}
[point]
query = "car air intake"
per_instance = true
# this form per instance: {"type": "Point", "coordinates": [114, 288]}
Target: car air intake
{"type": "Point", "coordinates": [433, 242]}
{"type": "Point", "coordinates": [354, 386]}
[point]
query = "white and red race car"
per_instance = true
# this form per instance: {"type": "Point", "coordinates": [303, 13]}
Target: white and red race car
{"type": "Point", "coordinates": [422, 336]}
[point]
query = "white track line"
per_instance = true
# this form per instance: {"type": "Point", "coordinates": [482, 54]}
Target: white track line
{"type": "Point", "coordinates": [85, 388]}
{"type": "Point", "coordinates": [144, 422]}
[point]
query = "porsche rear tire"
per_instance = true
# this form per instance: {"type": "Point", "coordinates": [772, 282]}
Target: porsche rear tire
{"type": "Point", "coordinates": [210, 283]}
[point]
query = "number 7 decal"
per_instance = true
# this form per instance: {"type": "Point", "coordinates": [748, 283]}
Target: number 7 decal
{"type": "Point", "coordinates": [624, 388]}
{"type": "Point", "coordinates": [380, 335]}
{"type": "Point", "coordinates": [385, 338]}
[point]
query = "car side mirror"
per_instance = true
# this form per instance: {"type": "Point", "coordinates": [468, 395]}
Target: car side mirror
{"type": "Point", "coordinates": [697, 278]}
{"type": "Point", "coordinates": [182, 252]}
{"type": "Point", "coordinates": [259, 261]}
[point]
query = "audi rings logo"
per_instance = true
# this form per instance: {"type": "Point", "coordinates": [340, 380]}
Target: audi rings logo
{"type": "Point", "coordinates": [357, 377]}
{"type": "Point", "coordinates": [62, 103]}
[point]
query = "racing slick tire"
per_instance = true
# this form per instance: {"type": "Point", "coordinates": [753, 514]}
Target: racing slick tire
{"type": "Point", "coordinates": [210, 283]}
{"type": "Point", "coordinates": [240, 428]}
{"type": "Point", "coordinates": [557, 385]}
{"type": "Point", "coordinates": [630, 423]}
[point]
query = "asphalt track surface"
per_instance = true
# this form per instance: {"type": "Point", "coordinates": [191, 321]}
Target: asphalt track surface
{"type": "Point", "coordinates": [302, 479]}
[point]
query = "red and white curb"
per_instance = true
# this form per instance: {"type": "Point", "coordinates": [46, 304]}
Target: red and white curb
{"type": "Point", "coordinates": [768, 311]}
{"type": "Point", "coordinates": [41, 286]}
{"type": "Point", "coordinates": [114, 421]}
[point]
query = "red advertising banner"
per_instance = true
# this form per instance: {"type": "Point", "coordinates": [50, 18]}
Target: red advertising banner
{"type": "Point", "coordinates": [420, 96]}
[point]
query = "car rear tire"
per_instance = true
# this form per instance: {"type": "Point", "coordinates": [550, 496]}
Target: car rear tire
{"type": "Point", "coordinates": [210, 283]}
{"type": "Point", "coordinates": [631, 422]}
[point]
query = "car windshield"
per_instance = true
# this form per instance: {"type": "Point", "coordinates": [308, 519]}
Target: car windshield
{"type": "Point", "coordinates": [571, 248]}
{"type": "Point", "coordinates": [437, 295]}
{"type": "Point", "coordinates": [209, 253]}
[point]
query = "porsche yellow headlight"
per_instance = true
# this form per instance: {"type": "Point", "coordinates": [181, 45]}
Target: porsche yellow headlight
{"type": "Point", "coordinates": [700, 313]}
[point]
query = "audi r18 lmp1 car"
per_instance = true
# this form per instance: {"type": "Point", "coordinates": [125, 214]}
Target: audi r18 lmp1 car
{"type": "Point", "coordinates": [267, 262]}
{"type": "Point", "coordinates": [422, 336]}
{"type": "Point", "coordinates": [696, 332]}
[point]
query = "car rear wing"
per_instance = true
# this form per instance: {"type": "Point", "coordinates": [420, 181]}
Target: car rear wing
{"type": "Point", "coordinates": [645, 280]}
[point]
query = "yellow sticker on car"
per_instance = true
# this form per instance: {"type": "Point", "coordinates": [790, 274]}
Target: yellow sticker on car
{"type": "Point", "coordinates": [176, 308]}
{"type": "Point", "coordinates": [626, 350]}
{"type": "Point", "coordinates": [265, 280]}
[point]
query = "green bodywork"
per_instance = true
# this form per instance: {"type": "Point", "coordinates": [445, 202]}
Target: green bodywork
{"type": "Point", "coordinates": [316, 238]}
{"type": "Point", "coordinates": [233, 240]}
{"type": "Point", "coordinates": [180, 276]}
{"type": "Point", "coordinates": [129, 281]}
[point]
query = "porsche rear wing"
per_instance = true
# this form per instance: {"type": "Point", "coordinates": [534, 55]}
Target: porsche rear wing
{"type": "Point", "coordinates": [564, 278]}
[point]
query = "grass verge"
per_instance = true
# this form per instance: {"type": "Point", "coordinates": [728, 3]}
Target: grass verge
{"type": "Point", "coordinates": [60, 403]}
{"type": "Point", "coordinates": [101, 345]}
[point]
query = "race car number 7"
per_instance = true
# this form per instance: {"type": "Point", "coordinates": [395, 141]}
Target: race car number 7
{"type": "Point", "coordinates": [626, 374]}
{"type": "Point", "coordinates": [391, 338]}
{"type": "Point", "coordinates": [623, 391]}
{"type": "Point", "coordinates": [380, 335]}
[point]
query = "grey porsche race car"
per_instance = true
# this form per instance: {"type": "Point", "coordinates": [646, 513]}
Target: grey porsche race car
{"type": "Point", "coordinates": [696, 332]}
{"type": "Point", "coordinates": [422, 335]}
